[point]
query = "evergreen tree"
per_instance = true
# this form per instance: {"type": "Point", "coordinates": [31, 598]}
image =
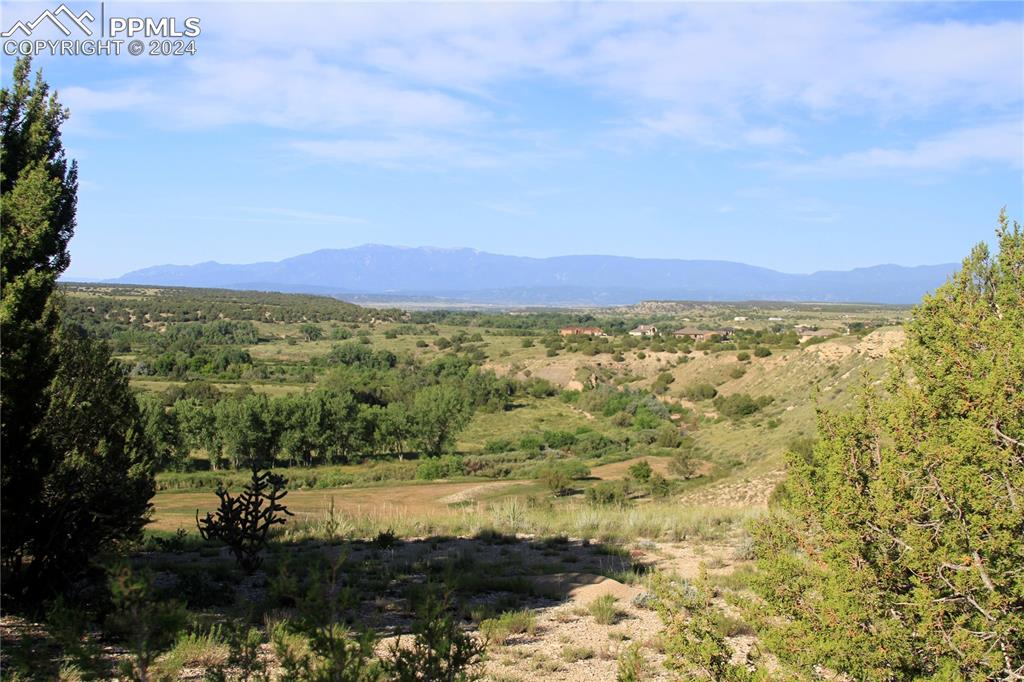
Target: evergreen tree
{"type": "Point", "coordinates": [37, 210]}
{"type": "Point", "coordinates": [900, 551]}
{"type": "Point", "coordinates": [77, 469]}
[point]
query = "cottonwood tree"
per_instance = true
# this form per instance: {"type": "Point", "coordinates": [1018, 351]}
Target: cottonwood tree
{"type": "Point", "coordinates": [439, 413]}
{"type": "Point", "coordinates": [900, 554]}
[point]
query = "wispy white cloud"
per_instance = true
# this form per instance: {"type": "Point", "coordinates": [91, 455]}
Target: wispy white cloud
{"type": "Point", "coordinates": [400, 84]}
{"type": "Point", "coordinates": [998, 143]}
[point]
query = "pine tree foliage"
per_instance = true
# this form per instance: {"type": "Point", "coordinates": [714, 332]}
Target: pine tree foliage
{"type": "Point", "coordinates": [37, 211]}
{"type": "Point", "coordinates": [900, 551]}
{"type": "Point", "coordinates": [76, 469]}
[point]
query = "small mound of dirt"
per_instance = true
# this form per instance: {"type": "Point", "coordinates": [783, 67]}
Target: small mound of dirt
{"type": "Point", "coordinates": [880, 343]}
{"type": "Point", "coordinates": [583, 587]}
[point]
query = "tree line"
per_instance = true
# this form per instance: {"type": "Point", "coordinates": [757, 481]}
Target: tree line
{"type": "Point", "coordinates": [370, 404]}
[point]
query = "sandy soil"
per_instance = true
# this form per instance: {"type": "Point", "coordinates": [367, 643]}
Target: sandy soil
{"type": "Point", "coordinates": [736, 493]}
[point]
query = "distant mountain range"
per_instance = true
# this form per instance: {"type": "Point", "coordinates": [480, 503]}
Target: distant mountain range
{"type": "Point", "coordinates": [467, 275]}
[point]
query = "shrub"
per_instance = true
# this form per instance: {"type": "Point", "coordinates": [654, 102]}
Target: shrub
{"type": "Point", "coordinates": [703, 391]}
{"type": "Point", "coordinates": [147, 626]}
{"type": "Point", "coordinates": [645, 419]}
{"type": "Point", "coordinates": [604, 610]}
{"type": "Point", "coordinates": [659, 486]}
{"type": "Point", "coordinates": [762, 352]}
{"type": "Point", "coordinates": [668, 437]}
{"type": "Point", "coordinates": [694, 645]}
{"type": "Point", "coordinates": [315, 644]}
{"type": "Point", "coordinates": [498, 445]}
{"type": "Point", "coordinates": [244, 522]}
{"type": "Point", "coordinates": [194, 650]}
{"type": "Point", "coordinates": [244, 644]}
{"type": "Point", "coordinates": [593, 444]}
{"type": "Point", "coordinates": [498, 630]}
{"type": "Point", "coordinates": [631, 666]}
{"type": "Point", "coordinates": [559, 440]}
{"type": "Point", "coordinates": [572, 653]}
{"type": "Point", "coordinates": [902, 526]}
{"type": "Point", "coordinates": [608, 493]}
{"type": "Point", "coordinates": [740, 405]}
{"type": "Point", "coordinates": [743, 356]}
{"type": "Point", "coordinates": [440, 649]}
{"type": "Point", "coordinates": [683, 464]}
{"type": "Point", "coordinates": [641, 471]}
{"type": "Point", "coordinates": [557, 476]}
{"type": "Point", "coordinates": [570, 396]}
{"type": "Point", "coordinates": [447, 466]}
{"type": "Point", "coordinates": [385, 539]}
{"type": "Point", "coordinates": [737, 372]}
{"type": "Point", "coordinates": [531, 442]}
{"type": "Point", "coordinates": [536, 387]}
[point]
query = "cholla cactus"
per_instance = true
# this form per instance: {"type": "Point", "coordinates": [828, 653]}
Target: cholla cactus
{"type": "Point", "coordinates": [244, 522]}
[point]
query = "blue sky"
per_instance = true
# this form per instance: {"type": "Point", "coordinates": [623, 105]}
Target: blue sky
{"type": "Point", "coordinates": [796, 137]}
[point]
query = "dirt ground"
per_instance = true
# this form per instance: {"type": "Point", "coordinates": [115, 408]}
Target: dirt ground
{"type": "Point", "coordinates": [566, 641]}
{"type": "Point", "coordinates": [738, 493]}
{"type": "Point", "coordinates": [619, 470]}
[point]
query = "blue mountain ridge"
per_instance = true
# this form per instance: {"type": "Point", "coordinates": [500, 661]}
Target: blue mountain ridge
{"type": "Point", "coordinates": [476, 276]}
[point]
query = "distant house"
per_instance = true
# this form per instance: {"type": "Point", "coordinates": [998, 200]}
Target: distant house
{"type": "Point", "coordinates": [702, 334]}
{"type": "Point", "coordinates": [739, 318]}
{"type": "Point", "coordinates": [775, 319]}
{"type": "Point", "coordinates": [644, 330]}
{"type": "Point", "coordinates": [581, 331]}
{"type": "Point", "coordinates": [807, 332]}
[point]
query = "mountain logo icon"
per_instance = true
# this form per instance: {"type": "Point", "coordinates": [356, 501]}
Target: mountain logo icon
{"type": "Point", "coordinates": [54, 17]}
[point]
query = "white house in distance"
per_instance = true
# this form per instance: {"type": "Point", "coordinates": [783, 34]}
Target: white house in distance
{"type": "Point", "coordinates": [644, 330]}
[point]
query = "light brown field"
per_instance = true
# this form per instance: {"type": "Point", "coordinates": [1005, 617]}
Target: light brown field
{"type": "Point", "coordinates": [173, 510]}
{"type": "Point", "coordinates": [619, 470]}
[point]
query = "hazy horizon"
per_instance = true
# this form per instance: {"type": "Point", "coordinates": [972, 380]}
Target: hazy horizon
{"type": "Point", "coordinates": [95, 278]}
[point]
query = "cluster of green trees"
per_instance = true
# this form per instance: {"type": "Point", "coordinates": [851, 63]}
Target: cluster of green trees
{"type": "Point", "coordinates": [369, 405]}
{"type": "Point", "coordinates": [740, 405]}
